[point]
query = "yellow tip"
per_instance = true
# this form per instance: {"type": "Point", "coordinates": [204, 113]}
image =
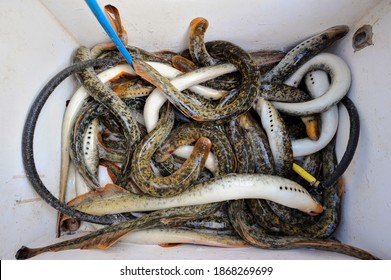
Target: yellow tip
{"type": "Point", "coordinates": [312, 127]}
{"type": "Point", "coordinates": [305, 175]}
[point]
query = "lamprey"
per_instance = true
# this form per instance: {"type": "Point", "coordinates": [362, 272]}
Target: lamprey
{"type": "Point", "coordinates": [155, 185]}
{"type": "Point", "coordinates": [68, 224]}
{"type": "Point", "coordinates": [303, 52]}
{"type": "Point", "coordinates": [224, 51]}
{"type": "Point", "coordinates": [185, 152]}
{"type": "Point", "coordinates": [340, 83]}
{"type": "Point", "coordinates": [107, 97]}
{"type": "Point", "coordinates": [106, 237]}
{"type": "Point", "coordinates": [132, 88]}
{"type": "Point", "coordinates": [75, 104]}
{"type": "Point", "coordinates": [255, 135]}
{"type": "Point", "coordinates": [28, 143]}
{"type": "Point", "coordinates": [199, 54]}
{"type": "Point", "coordinates": [157, 97]}
{"type": "Point", "coordinates": [201, 57]}
{"type": "Point", "coordinates": [283, 93]}
{"type": "Point", "coordinates": [183, 64]}
{"type": "Point", "coordinates": [72, 111]}
{"type": "Point", "coordinates": [317, 83]}
{"type": "Point", "coordinates": [90, 112]}
{"type": "Point", "coordinates": [90, 147]}
{"type": "Point", "coordinates": [192, 79]}
{"type": "Point", "coordinates": [277, 133]}
{"type": "Point", "coordinates": [218, 221]}
{"type": "Point", "coordinates": [245, 162]}
{"type": "Point", "coordinates": [227, 187]}
{"type": "Point", "coordinates": [267, 59]}
{"type": "Point", "coordinates": [213, 230]}
{"type": "Point", "coordinates": [197, 46]}
{"type": "Point", "coordinates": [165, 236]}
{"type": "Point", "coordinates": [259, 237]}
{"type": "Point", "coordinates": [189, 133]}
{"type": "Point", "coordinates": [312, 126]}
{"type": "Point", "coordinates": [268, 161]}
{"type": "Point", "coordinates": [328, 221]}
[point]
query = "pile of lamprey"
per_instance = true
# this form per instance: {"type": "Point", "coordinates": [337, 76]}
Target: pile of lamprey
{"type": "Point", "coordinates": [203, 146]}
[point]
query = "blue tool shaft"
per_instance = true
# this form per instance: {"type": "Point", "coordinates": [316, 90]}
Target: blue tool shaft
{"type": "Point", "coordinates": [109, 29]}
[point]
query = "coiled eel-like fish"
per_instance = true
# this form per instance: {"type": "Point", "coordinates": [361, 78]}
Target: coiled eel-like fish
{"type": "Point", "coordinates": [259, 237]}
{"type": "Point", "coordinates": [227, 187]}
{"type": "Point", "coordinates": [106, 237]}
{"type": "Point", "coordinates": [191, 132]}
{"type": "Point", "coordinates": [157, 97]}
{"type": "Point", "coordinates": [224, 51]}
{"type": "Point", "coordinates": [277, 133]}
{"type": "Point", "coordinates": [108, 98]}
{"type": "Point", "coordinates": [142, 173]}
{"type": "Point", "coordinates": [75, 104]}
{"type": "Point", "coordinates": [340, 83]}
{"type": "Point", "coordinates": [304, 51]}
{"type": "Point", "coordinates": [317, 83]}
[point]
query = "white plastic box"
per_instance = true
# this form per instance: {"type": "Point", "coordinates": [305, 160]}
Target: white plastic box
{"type": "Point", "coordinates": [38, 39]}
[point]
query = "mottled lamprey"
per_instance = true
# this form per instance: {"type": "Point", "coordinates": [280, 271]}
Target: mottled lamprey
{"type": "Point", "coordinates": [224, 51]}
{"type": "Point", "coordinates": [304, 51]}
{"type": "Point", "coordinates": [106, 237]}
{"type": "Point", "coordinates": [106, 96]}
{"type": "Point", "coordinates": [28, 144]}
{"type": "Point", "coordinates": [190, 133]}
{"type": "Point", "coordinates": [142, 173]}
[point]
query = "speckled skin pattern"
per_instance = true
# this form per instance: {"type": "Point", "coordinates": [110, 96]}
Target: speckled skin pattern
{"type": "Point", "coordinates": [104, 238]}
{"type": "Point", "coordinates": [223, 51]}
{"type": "Point", "coordinates": [263, 209]}
{"type": "Point", "coordinates": [198, 51]}
{"type": "Point", "coordinates": [243, 222]}
{"type": "Point", "coordinates": [303, 52]}
{"type": "Point", "coordinates": [106, 96]}
{"type": "Point", "coordinates": [181, 179]}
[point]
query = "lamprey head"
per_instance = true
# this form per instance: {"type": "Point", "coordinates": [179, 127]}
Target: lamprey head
{"type": "Point", "coordinates": [336, 32]}
{"type": "Point", "coordinates": [318, 209]}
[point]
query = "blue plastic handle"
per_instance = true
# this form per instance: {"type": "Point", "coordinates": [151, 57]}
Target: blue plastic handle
{"type": "Point", "coordinates": [109, 29]}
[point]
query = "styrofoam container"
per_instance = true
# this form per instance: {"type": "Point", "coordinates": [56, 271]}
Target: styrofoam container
{"type": "Point", "coordinates": [38, 39]}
